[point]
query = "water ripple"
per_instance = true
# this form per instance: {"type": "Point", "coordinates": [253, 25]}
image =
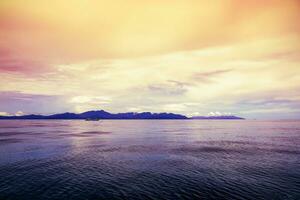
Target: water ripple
{"type": "Point", "coordinates": [136, 160]}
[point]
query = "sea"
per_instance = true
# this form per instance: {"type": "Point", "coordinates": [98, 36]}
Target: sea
{"type": "Point", "coordinates": [149, 159]}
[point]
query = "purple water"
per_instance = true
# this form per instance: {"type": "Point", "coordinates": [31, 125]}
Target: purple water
{"type": "Point", "coordinates": [149, 159]}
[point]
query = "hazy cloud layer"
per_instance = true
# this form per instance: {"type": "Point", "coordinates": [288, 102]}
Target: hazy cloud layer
{"type": "Point", "coordinates": [189, 57]}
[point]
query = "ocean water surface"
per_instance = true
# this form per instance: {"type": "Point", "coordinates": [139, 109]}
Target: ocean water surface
{"type": "Point", "coordinates": [149, 159]}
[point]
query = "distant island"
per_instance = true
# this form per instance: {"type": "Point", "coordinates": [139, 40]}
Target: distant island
{"type": "Point", "coordinates": [101, 114]}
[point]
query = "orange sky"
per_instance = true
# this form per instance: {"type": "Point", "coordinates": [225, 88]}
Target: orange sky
{"type": "Point", "coordinates": [190, 57]}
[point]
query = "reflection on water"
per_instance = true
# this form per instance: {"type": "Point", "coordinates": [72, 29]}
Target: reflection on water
{"type": "Point", "coordinates": [136, 159]}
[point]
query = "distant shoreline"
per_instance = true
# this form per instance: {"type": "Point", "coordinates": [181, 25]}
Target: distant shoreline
{"type": "Point", "coordinates": [126, 119]}
{"type": "Point", "coordinates": [103, 115]}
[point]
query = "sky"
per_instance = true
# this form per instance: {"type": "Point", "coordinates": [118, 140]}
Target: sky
{"type": "Point", "coordinates": [193, 57]}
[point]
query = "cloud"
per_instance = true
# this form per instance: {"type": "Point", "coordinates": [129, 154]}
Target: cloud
{"type": "Point", "coordinates": [291, 55]}
{"type": "Point", "coordinates": [4, 114]}
{"type": "Point", "coordinates": [171, 88]}
{"type": "Point", "coordinates": [25, 67]}
{"type": "Point", "coordinates": [272, 113]}
{"type": "Point", "coordinates": [84, 103]}
{"type": "Point", "coordinates": [135, 109]}
{"type": "Point", "coordinates": [210, 76]}
{"type": "Point", "coordinates": [15, 63]}
{"type": "Point", "coordinates": [174, 107]}
{"type": "Point", "coordinates": [236, 77]}
{"type": "Point", "coordinates": [150, 28]}
{"type": "Point", "coordinates": [180, 83]}
{"type": "Point", "coordinates": [90, 99]}
{"type": "Point", "coordinates": [217, 113]}
{"type": "Point", "coordinates": [14, 102]}
{"type": "Point", "coordinates": [19, 113]}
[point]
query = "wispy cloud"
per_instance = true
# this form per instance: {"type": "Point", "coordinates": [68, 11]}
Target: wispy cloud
{"type": "Point", "coordinates": [210, 76]}
{"type": "Point", "coordinates": [170, 88]}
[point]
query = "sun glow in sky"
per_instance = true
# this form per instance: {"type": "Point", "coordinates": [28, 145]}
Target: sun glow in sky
{"type": "Point", "coordinates": [192, 57]}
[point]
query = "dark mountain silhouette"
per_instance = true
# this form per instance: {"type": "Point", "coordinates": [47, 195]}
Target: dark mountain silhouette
{"type": "Point", "coordinates": [101, 114]}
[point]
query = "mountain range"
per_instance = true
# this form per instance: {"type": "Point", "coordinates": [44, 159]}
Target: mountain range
{"type": "Point", "coordinates": [101, 114]}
